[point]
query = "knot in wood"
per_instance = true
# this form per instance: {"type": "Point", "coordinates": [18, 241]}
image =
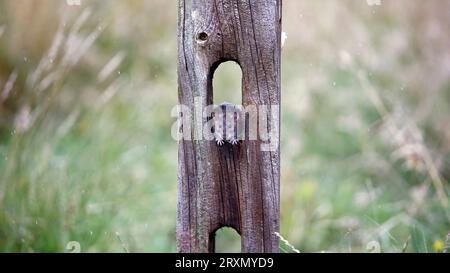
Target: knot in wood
{"type": "Point", "coordinates": [202, 38]}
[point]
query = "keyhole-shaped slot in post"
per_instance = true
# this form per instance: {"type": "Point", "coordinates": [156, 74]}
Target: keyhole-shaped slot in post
{"type": "Point", "coordinates": [227, 83]}
{"type": "Point", "coordinates": [226, 240]}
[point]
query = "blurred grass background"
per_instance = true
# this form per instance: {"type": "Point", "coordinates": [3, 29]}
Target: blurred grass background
{"type": "Point", "coordinates": [86, 153]}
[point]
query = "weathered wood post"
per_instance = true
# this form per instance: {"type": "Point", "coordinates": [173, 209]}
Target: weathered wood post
{"type": "Point", "coordinates": [231, 185]}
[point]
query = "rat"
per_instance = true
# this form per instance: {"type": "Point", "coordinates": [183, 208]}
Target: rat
{"type": "Point", "coordinates": [226, 124]}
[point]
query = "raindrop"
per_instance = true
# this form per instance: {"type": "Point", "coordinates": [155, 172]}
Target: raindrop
{"type": "Point", "coordinates": [334, 84]}
{"type": "Point", "coordinates": [25, 59]}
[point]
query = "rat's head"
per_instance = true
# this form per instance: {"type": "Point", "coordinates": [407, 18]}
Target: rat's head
{"type": "Point", "coordinates": [226, 118]}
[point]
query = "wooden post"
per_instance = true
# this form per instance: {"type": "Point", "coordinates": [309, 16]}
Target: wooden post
{"type": "Point", "coordinates": [232, 185]}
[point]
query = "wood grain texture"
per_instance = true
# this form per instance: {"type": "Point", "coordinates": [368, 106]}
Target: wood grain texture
{"type": "Point", "coordinates": [230, 186]}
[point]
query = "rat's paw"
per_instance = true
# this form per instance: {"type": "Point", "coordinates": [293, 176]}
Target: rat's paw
{"type": "Point", "coordinates": [234, 141]}
{"type": "Point", "coordinates": [220, 142]}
